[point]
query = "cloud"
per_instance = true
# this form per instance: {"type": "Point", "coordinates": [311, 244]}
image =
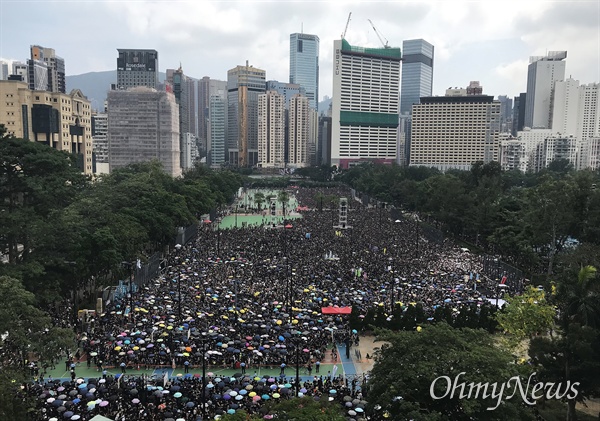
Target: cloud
{"type": "Point", "coordinates": [480, 39]}
{"type": "Point", "coordinates": [513, 73]}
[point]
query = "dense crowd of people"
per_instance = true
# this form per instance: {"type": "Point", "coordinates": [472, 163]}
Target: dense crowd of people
{"type": "Point", "coordinates": [244, 298]}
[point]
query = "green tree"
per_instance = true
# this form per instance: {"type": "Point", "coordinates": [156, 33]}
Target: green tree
{"type": "Point", "coordinates": [259, 199]}
{"type": "Point", "coordinates": [408, 363]}
{"type": "Point", "coordinates": [27, 335]}
{"type": "Point", "coordinates": [526, 315]}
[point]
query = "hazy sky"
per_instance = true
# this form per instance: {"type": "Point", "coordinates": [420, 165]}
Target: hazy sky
{"type": "Point", "coordinates": [485, 40]}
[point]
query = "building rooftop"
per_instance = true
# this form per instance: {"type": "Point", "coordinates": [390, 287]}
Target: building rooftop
{"type": "Point", "coordinates": [393, 53]}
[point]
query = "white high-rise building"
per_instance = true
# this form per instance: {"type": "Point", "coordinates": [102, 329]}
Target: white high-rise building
{"type": "Point", "coordinates": [565, 108]}
{"type": "Point", "coordinates": [4, 70]}
{"type": "Point", "coordinates": [304, 65]}
{"type": "Point", "coordinates": [366, 85]}
{"type": "Point", "coordinates": [542, 73]}
{"type": "Point", "coordinates": [531, 138]}
{"type": "Point", "coordinates": [299, 131]}
{"type": "Point", "coordinates": [271, 130]}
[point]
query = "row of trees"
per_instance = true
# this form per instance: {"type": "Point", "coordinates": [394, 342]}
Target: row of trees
{"type": "Point", "coordinates": [60, 227]}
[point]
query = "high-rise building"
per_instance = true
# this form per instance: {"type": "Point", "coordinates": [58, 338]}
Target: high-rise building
{"type": "Point", "coordinates": [271, 130]}
{"type": "Point", "coordinates": [137, 68]}
{"type": "Point", "coordinates": [512, 154]}
{"type": "Point", "coordinates": [453, 132]}
{"type": "Point", "coordinates": [365, 107]}
{"type": "Point", "coordinates": [304, 65]}
{"type": "Point", "coordinates": [324, 142]}
{"type": "Point", "coordinates": [143, 125]}
{"type": "Point", "coordinates": [37, 71]}
{"type": "Point", "coordinates": [100, 140]}
{"type": "Point", "coordinates": [519, 113]}
{"type": "Point", "coordinates": [207, 87]}
{"type": "Point", "coordinates": [288, 90]}
{"type": "Point", "coordinates": [180, 84]}
{"type": "Point", "coordinates": [58, 120]}
{"type": "Point", "coordinates": [244, 85]}
{"type": "Point", "coordinates": [4, 70]}
{"type": "Point", "coordinates": [417, 73]}
{"type": "Point", "coordinates": [554, 147]}
{"type": "Point", "coordinates": [20, 71]}
{"type": "Point", "coordinates": [217, 125]}
{"type": "Point", "coordinates": [55, 67]}
{"type": "Point", "coordinates": [542, 73]}
{"type": "Point", "coordinates": [506, 114]}
{"type": "Point", "coordinates": [417, 82]}
{"type": "Point", "coordinates": [299, 115]}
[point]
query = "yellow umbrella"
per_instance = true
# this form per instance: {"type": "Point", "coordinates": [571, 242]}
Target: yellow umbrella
{"type": "Point", "coordinates": [278, 322]}
{"type": "Point", "coordinates": [117, 348]}
{"type": "Point", "coordinates": [419, 328]}
{"type": "Point", "coordinates": [136, 348]}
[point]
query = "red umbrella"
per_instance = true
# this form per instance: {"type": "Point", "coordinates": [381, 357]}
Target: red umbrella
{"type": "Point", "coordinates": [288, 226]}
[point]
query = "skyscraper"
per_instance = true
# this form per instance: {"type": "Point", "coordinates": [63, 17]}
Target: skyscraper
{"type": "Point", "coordinates": [55, 67]}
{"type": "Point", "coordinates": [417, 73]}
{"type": "Point", "coordinates": [216, 123]}
{"type": "Point", "coordinates": [244, 85]}
{"type": "Point", "coordinates": [180, 84]}
{"type": "Point", "coordinates": [365, 106]}
{"type": "Point", "coordinates": [417, 82]}
{"type": "Point", "coordinates": [207, 88]}
{"type": "Point", "coordinates": [299, 115]}
{"type": "Point", "coordinates": [271, 130]}
{"type": "Point", "coordinates": [542, 72]}
{"type": "Point", "coordinates": [137, 68]}
{"type": "Point", "coordinates": [304, 65]}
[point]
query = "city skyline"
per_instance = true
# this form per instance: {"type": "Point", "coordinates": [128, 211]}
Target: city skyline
{"type": "Point", "coordinates": [489, 41]}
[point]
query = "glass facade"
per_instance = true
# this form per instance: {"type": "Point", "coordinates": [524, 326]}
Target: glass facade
{"type": "Point", "coordinates": [417, 73]}
{"type": "Point", "coordinates": [304, 65]}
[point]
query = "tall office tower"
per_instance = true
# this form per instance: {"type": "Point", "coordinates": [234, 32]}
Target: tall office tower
{"type": "Point", "coordinates": [304, 65]}
{"type": "Point", "coordinates": [542, 72]}
{"type": "Point", "coordinates": [506, 114]}
{"type": "Point", "coordinates": [137, 68]}
{"type": "Point", "coordinates": [453, 132]}
{"type": "Point", "coordinates": [20, 71]}
{"type": "Point", "coordinates": [60, 121]}
{"type": "Point", "coordinates": [143, 125]}
{"type": "Point", "coordinates": [244, 85]}
{"type": "Point", "coordinates": [4, 70]}
{"type": "Point", "coordinates": [324, 142]}
{"type": "Point", "coordinates": [519, 113]}
{"type": "Point", "coordinates": [365, 106]}
{"type": "Point", "coordinates": [417, 82]}
{"type": "Point", "coordinates": [207, 87]}
{"type": "Point", "coordinates": [417, 73]}
{"type": "Point", "coordinates": [299, 131]}
{"type": "Point", "coordinates": [55, 66]}
{"type": "Point", "coordinates": [100, 140]}
{"type": "Point", "coordinates": [180, 85]}
{"type": "Point", "coordinates": [37, 71]}
{"type": "Point", "coordinates": [217, 129]}
{"type": "Point", "coordinates": [271, 130]}
{"type": "Point", "coordinates": [313, 137]}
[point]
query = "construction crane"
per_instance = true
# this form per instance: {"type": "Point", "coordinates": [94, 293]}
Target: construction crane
{"type": "Point", "coordinates": [346, 28]}
{"type": "Point", "coordinates": [381, 37]}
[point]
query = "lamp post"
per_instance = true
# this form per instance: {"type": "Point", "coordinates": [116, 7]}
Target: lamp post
{"type": "Point", "coordinates": [297, 343]}
{"type": "Point", "coordinates": [237, 208]}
